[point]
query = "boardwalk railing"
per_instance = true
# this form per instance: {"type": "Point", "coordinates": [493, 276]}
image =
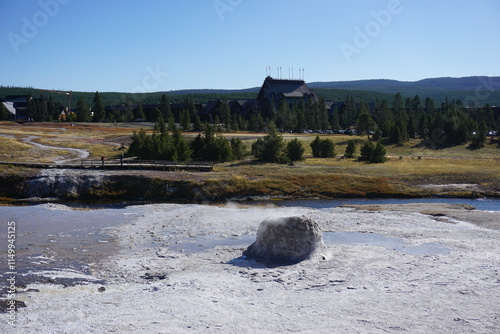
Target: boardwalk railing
{"type": "Point", "coordinates": [126, 163]}
{"type": "Point", "coordinates": [132, 163]}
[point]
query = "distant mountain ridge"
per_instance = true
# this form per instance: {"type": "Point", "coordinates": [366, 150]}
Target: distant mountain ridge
{"type": "Point", "coordinates": [473, 91]}
{"type": "Point", "coordinates": [473, 83]}
{"type": "Point", "coordinates": [393, 86]}
{"type": "Point", "coordinates": [486, 87]}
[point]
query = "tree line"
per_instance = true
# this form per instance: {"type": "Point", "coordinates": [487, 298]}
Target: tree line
{"type": "Point", "coordinates": [167, 143]}
{"type": "Point", "coordinates": [447, 125]}
{"type": "Point", "coordinates": [395, 121]}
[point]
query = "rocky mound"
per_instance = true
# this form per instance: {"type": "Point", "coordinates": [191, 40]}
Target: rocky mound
{"type": "Point", "coordinates": [286, 240]}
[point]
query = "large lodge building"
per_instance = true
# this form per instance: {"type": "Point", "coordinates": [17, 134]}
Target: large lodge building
{"type": "Point", "coordinates": [273, 92]}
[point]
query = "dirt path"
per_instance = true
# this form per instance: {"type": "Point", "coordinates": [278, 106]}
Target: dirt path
{"type": "Point", "coordinates": [80, 154]}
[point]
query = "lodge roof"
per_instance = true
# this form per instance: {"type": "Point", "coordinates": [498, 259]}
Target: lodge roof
{"type": "Point", "coordinates": [288, 89]}
{"type": "Point", "coordinates": [16, 98]}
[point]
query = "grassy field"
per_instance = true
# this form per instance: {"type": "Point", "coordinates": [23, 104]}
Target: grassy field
{"type": "Point", "coordinates": [97, 139]}
{"type": "Point", "coordinates": [412, 169]}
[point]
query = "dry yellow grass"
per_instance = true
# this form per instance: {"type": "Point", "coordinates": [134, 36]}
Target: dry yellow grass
{"type": "Point", "coordinates": [10, 148]}
{"type": "Point", "coordinates": [409, 165]}
{"type": "Point", "coordinates": [93, 138]}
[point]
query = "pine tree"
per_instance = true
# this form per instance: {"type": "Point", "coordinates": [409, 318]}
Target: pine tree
{"type": "Point", "coordinates": [383, 113]}
{"type": "Point", "coordinates": [190, 106]}
{"type": "Point", "coordinates": [225, 113]}
{"type": "Point", "coordinates": [166, 111]}
{"type": "Point", "coordinates": [327, 148]}
{"type": "Point", "coordinates": [378, 154]}
{"type": "Point", "coordinates": [398, 109]}
{"type": "Point", "coordinates": [316, 147]}
{"type": "Point", "coordinates": [283, 117]}
{"type": "Point", "coordinates": [323, 148]}
{"type": "Point", "coordinates": [300, 123]}
{"type": "Point", "coordinates": [198, 126]}
{"type": "Point", "coordinates": [350, 151]}
{"type": "Point", "coordinates": [129, 108]}
{"type": "Point", "coordinates": [181, 146]}
{"type": "Point", "coordinates": [137, 147]}
{"type": "Point", "coordinates": [271, 147]}
{"type": "Point", "coordinates": [417, 108]}
{"type": "Point", "coordinates": [351, 111]}
{"type": "Point", "coordinates": [411, 127]}
{"type": "Point", "coordinates": [366, 151]}
{"type": "Point", "coordinates": [185, 119]}
{"type": "Point", "coordinates": [314, 116]}
{"type": "Point", "coordinates": [295, 150]}
{"type": "Point", "coordinates": [4, 113]}
{"type": "Point", "coordinates": [429, 106]}
{"type": "Point", "coordinates": [377, 136]}
{"type": "Point", "coordinates": [234, 123]}
{"type": "Point", "coordinates": [239, 149]}
{"type": "Point", "coordinates": [479, 138]}
{"type": "Point", "coordinates": [334, 121]}
{"type": "Point", "coordinates": [82, 111]}
{"type": "Point", "coordinates": [422, 127]}
{"type": "Point", "coordinates": [154, 114]}
{"type": "Point", "coordinates": [396, 136]}
{"type": "Point", "coordinates": [323, 114]}
{"type": "Point", "coordinates": [160, 126]}
{"type": "Point", "coordinates": [52, 109]}
{"type": "Point", "coordinates": [139, 114]}
{"type": "Point", "coordinates": [98, 108]}
{"type": "Point", "coordinates": [31, 108]}
{"type": "Point", "coordinates": [365, 122]}
{"type": "Point", "coordinates": [43, 114]}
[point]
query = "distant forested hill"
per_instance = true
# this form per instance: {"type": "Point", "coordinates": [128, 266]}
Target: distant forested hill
{"type": "Point", "coordinates": [476, 89]}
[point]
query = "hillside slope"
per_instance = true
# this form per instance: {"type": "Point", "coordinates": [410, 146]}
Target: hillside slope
{"type": "Point", "coordinates": [473, 90]}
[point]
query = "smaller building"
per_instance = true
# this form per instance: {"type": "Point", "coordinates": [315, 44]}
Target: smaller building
{"type": "Point", "coordinates": [20, 105]}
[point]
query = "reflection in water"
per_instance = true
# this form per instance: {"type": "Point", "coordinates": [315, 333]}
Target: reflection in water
{"type": "Point", "coordinates": [486, 204]}
{"type": "Point", "coordinates": [375, 239]}
{"type": "Point", "coordinates": [52, 237]}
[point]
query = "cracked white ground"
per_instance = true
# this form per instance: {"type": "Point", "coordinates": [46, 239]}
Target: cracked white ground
{"type": "Point", "coordinates": [179, 270]}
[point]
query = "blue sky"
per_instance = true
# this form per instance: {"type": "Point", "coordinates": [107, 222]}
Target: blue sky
{"type": "Point", "coordinates": [161, 45]}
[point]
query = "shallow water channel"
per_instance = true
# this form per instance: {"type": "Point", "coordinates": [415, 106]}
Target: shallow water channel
{"type": "Point", "coordinates": [54, 244]}
{"type": "Point", "coordinates": [486, 204]}
{"type": "Point", "coordinates": [376, 239]}
{"type": "Point", "coordinates": [204, 243]}
{"type": "Point", "coordinates": [53, 238]}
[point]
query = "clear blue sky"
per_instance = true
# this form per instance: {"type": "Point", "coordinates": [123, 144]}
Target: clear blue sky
{"type": "Point", "coordinates": [161, 45]}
